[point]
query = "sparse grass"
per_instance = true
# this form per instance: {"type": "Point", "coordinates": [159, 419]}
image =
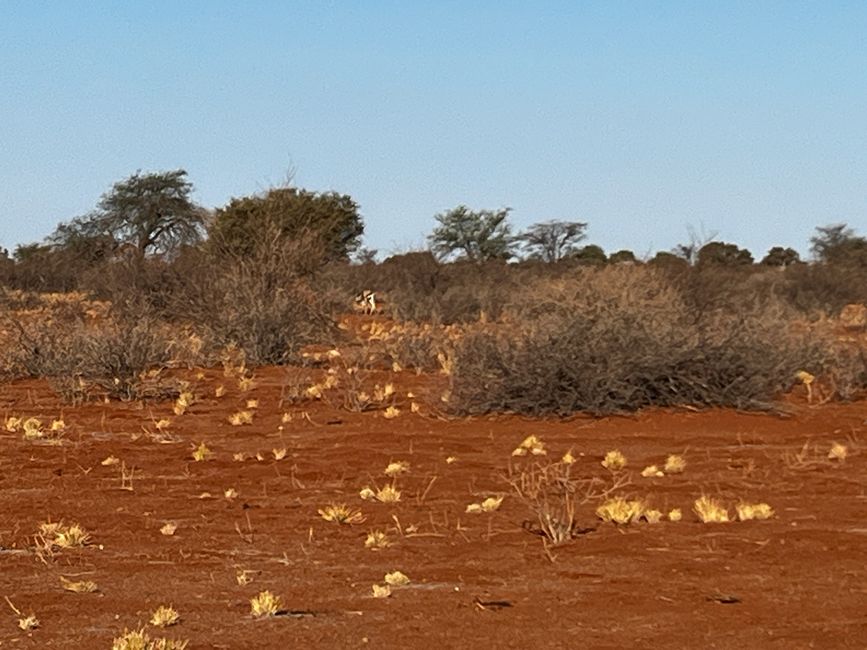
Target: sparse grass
{"type": "Point", "coordinates": [341, 514]}
{"type": "Point", "coordinates": [241, 418]}
{"type": "Point", "coordinates": [620, 511]}
{"type": "Point", "coordinates": [396, 579]}
{"type": "Point", "coordinates": [750, 511]}
{"type": "Point", "coordinates": [201, 453]}
{"type": "Point", "coordinates": [265, 605]}
{"type": "Point", "coordinates": [78, 586]}
{"type": "Point", "coordinates": [838, 452]}
{"type": "Point", "coordinates": [491, 504]}
{"type": "Point", "coordinates": [614, 461]}
{"type": "Point", "coordinates": [396, 468]}
{"type": "Point", "coordinates": [377, 540]}
{"type": "Point", "coordinates": [530, 445]}
{"type": "Point", "coordinates": [675, 464]}
{"type": "Point", "coordinates": [710, 511]}
{"type": "Point", "coordinates": [141, 640]}
{"type": "Point", "coordinates": [165, 616]}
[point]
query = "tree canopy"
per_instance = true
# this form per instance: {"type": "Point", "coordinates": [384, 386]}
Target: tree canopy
{"type": "Point", "coordinates": [294, 213]}
{"type": "Point", "coordinates": [838, 244]}
{"type": "Point", "coordinates": [474, 236]}
{"type": "Point", "coordinates": [551, 241]}
{"type": "Point", "coordinates": [723, 254]}
{"type": "Point", "coordinates": [150, 212]}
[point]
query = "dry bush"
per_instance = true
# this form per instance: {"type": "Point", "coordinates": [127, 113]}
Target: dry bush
{"type": "Point", "coordinates": [264, 304]}
{"type": "Point", "coordinates": [622, 338]}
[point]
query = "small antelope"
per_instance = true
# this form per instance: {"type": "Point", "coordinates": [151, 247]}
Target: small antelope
{"type": "Point", "coordinates": [366, 302]}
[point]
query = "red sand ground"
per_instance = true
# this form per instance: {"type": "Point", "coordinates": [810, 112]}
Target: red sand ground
{"type": "Point", "coordinates": [800, 579]}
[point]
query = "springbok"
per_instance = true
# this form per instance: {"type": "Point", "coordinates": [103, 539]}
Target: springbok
{"type": "Point", "coordinates": [366, 302]}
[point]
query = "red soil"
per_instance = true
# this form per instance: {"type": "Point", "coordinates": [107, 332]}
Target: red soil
{"type": "Point", "coordinates": [799, 580]}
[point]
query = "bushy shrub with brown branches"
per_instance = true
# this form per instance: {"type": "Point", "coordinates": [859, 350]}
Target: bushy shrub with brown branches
{"type": "Point", "coordinates": [616, 339]}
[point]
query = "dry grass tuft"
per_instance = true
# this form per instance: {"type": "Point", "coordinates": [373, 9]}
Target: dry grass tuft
{"type": "Point", "coordinates": [397, 468]}
{"type": "Point", "coordinates": [168, 529]}
{"type": "Point", "coordinates": [381, 591]}
{"type": "Point", "coordinates": [140, 640]}
{"type": "Point", "coordinates": [377, 540]}
{"type": "Point", "coordinates": [165, 616]}
{"type": "Point", "coordinates": [749, 511]}
{"type": "Point", "coordinates": [710, 511]}
{"type": "Point", "coordinates": [491, 504]}
{"type": "Point", "coordinates": [614, 461]}
{"type": "Point", "coordinates": [675, 514]}
{"type": "Point", "coordinates": [652, 471]}
{"type": "Point", "coordinates": [531, 445]}
{"type": "Point", "coordinates": [396, 579]}
{"type": "Point", "coordinates": [265, 605]}
{"type": "Point", "coordinates": [241, 418]}
{"type": "Point", "coordinates": [78, 587]}
{"type": "Point", "coordinates": [620, 510]}
{"type": "Point", "coordinates": [201, 453]}
{"type": "Point", "coordinates": [838, 452]}
{"type": "Point", "coordinates": [341, 514]}
{"type": "Point", "coordinates": [675, 464]}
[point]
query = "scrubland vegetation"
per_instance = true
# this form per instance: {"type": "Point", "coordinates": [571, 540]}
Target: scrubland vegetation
{"type": "Point", "coordinates": [530, 323]}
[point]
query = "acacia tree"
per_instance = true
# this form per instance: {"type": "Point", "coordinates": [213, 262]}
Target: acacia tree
{"type": "Point", "coordinates": [779, 256]}
{"type": "Point", "coordinates": [151, 213]}
{"type": "Point", "coordinates": [838, 244]}
{"type": "Point", "coordinates": [475, 236]}
{"type": "Point", "coordinates": [551, 241]}
{"type": "Point", "coordinates": [723, 254]}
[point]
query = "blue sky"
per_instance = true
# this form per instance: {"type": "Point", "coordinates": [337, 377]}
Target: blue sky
{"type": "Point", "coordinates": [744, 119]}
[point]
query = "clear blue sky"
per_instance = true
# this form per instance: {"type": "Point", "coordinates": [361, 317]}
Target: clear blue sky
{"type": "Point", "coordinates": [746, 119]}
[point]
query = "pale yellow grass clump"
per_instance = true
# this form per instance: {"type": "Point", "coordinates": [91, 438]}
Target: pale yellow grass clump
{"type": "Point", "coordinates": [341, 514]}
{"type": "Point", "coordinates": [377, 540]}
{"type": "Point", "coordinates": [201, 453]}
{"type": "Point", "coordinates": [675, 464]}
{"type": "Point", "coordinates": [240, 418]}
{"type": "Point", "coordinates": [219, 391]}
{"type": "Point", "coordinates": [169, 529]}
{"type": "Point", "coordinates": [184, 401]}
{"type": "Point", "coordinates": [530, 445]}
{"type": "Point", "coordinates": [396, 579]}
{"type": "Point", "coordinates": [265, 604]}
{"type": "Point", "coordinates": [490, 504]}
{"type": "Point", "coordinates": [381, 591]}
{"type": "Point", "coordinates": [62, 536]}
{"type": "Point", "coordinates": [652, 471]}
{"type": "Point", "coordinates": [614, 461]}
{"type": "Point", "coordinates": [279, 454]}
{"type": "Point", "coordinates": [749, 511]}
{"type": "Point", "coordinates": [396, 468]}
{"type": "Point", "coordinates": [230, 493]}
{"type": "Point", "coordinates": [652, 516]}
{"type": "Point", "coordinates": [32, 428]}
{"type": "Point", "coordinates": [246, 384]}
{"type": "Point", "coordinates": [162, 425]}
{"type": "Point", "coordinates": [109, 461]}
{"type": "Point", "coordinates": [13, 424]}
{"type": "Point", "coordinates": [675, 514]}
{"type": "Point", "coordinates": [568, 458]}
{"type": "Point", "coordinates": [838, 452]}
{"type": "Point", "coordinates": [710, 511]}
{"type": "Point", "coordinates": [252, 404]}
{"type": "Point", "coordinates": [140, 640]}
{"type": "Point", "coordinates": [78, 586]}
{"type": "Point", "coordinates": [388, 494]}
{"type": "Point", "coordinates": [26, 623]}
{"type": "Point", "coordinates": [165, 616]}
{"type": "Point", "coordinates": [620, 510]}
{"type": "Point", "coordinates": [391, 412]}
{"type": "Point", "coordinates": [450, 460]}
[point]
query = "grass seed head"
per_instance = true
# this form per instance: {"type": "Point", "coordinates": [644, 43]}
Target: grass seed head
{"type": "Point", "coordinates": [710, 511]}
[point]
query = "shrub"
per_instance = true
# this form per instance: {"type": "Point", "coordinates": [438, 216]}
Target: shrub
{"type": "Point", "coordinates": [617, 339]}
